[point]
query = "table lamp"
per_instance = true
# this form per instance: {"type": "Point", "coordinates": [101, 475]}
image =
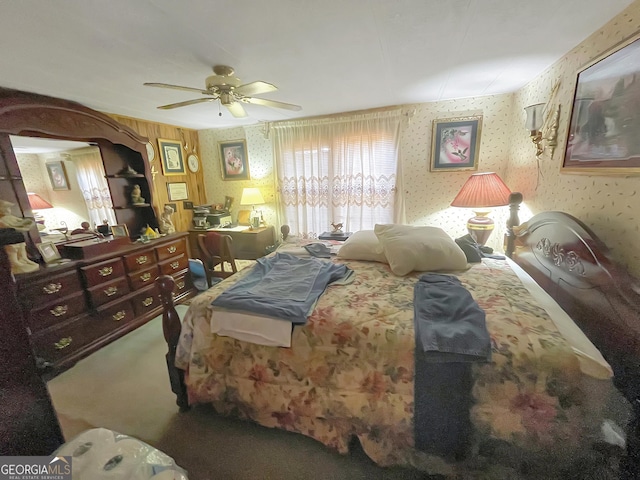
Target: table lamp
{"type": "Point", "coordinates": [480, 192]}
{"type": "Point", "coordinates": [253, 197]}
{"type": "Point", "coordinates": [38, 203]}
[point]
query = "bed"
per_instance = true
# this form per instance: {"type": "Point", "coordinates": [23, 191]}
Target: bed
{"type": "Point", "coordinates": [541, 405]}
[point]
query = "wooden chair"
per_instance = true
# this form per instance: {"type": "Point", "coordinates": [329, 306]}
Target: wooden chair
{"type": "Point", "coordinates": [217, 249]}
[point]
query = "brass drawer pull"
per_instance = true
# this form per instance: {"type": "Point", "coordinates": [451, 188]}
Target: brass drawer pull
{"type": "Point", "coordinates": [172, 249]}
{"type": "Point", "coordinates": [63, 343]}
{"type": "Point", "coordinates": [145, 277]}
{"type": "Point", "coordinates": [142, 259]}
{"type": "Point", "coordinates": [52, 288]}
{"type": "Point", "coordinates": [110, 291]}
{"type": "Point", "coordinates": [59, 310]}
{"type": "Point", "coordinates": [174, 265]}
{"type": "Point", "coordinates": [119, 316]}
{"type": "Point", "coordinates": [180, 285]}
{"type": "Point", "coordinates": [147, 301]}
{"type": "Point", "coordinates": [105, 272]}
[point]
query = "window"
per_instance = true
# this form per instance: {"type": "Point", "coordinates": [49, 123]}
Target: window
{"type": "Point", "coordinates": [337, 171]}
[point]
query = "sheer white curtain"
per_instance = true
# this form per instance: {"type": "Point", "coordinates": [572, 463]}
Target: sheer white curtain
{"type": "Point", "coordinates": [95, 190]}
{"type": "Point", "coordinates": [338, 170]}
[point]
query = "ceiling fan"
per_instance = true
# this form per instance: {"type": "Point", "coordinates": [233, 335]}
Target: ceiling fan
{"type": "Point", "coordinates": [226, 88]}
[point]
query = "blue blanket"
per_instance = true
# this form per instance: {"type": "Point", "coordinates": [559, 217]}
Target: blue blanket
{"type": "Point", "coordinates": [284, 286]}
{"type": "Point", "coordinates": [450, 334]}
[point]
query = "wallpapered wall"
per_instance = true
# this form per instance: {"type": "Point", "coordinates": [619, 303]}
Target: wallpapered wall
{"type": "Point", "coordinates": [427, 194]}
{"type": "Point", "coordinates": [607, 204]}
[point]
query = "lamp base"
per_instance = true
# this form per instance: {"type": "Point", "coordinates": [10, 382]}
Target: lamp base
{"type": "Point", "coordinates": [480, 227]}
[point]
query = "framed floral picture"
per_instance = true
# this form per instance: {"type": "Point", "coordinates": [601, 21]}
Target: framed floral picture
{"type": "Point", "coordinates": [171, 157]}
{"type": "Point", "coordinates": [233, 157]}
{"type": "Point", "coordinates": [58, 175]}
{"type": "Point", "coordinates": [456, 143]}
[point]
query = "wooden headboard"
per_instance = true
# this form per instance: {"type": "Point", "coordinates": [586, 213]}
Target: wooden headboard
{"type": "Point", "coordinates": [574, 266]}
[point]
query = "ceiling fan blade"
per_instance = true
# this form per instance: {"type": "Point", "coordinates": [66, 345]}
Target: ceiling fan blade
{"type": "Point", "coordinates": [272, 103]}
{"type": "Point", "coordinates": [255, 88]}
{"type": "Point", "coordinates": [236, 109]}
{"type": "Point", "coordinates": [178, 87]}
{"type": "Point", "coordinates": [188, 102]}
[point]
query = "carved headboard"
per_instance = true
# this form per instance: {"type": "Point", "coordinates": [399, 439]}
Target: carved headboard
{"type": "Point", "coordinates": [573, 265]}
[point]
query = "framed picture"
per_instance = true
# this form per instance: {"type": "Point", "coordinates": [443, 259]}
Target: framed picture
{"type": "Point", "coordinates": [58, 175]}
{"type": "Point", "coordinates": [604, 133]}
{"type": "Point", "coordinates": [456, 143]}
{"type": "Point", "coordinates": [177, 191]}
{"type": "Point", "coordinates": [49, 252]}
{"type": "Point", "coordinates": [171, 156]}
{"type": "Point", "coordinates": [120, 230]}
{"type": "Point", "coordinates": [228, 203]}
{"type": "Point", "coordinates": [233, 156]}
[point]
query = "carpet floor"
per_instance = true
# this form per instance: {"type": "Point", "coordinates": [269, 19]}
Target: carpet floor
{"type": "Point", "coordinates": [125, 387]}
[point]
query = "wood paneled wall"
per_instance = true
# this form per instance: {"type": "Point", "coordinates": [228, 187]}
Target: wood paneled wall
{"type": "Point", "coordinates": [195, 184]}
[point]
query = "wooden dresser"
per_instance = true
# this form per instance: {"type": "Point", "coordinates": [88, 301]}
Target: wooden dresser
{"type": "Point", "coordinates": [73, 309]}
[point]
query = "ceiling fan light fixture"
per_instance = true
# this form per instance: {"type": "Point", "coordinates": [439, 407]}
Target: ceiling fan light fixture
{"type": "Point", "coordinates": [217, 81]}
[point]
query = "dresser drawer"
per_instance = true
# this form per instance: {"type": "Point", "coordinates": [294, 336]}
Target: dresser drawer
{"type": "Point", "coordinates": [171, 249]}
{"type": "Point", "coordinates": [41, 292]}
{"type": "Point", "coordinates": [146, 301]}
{"type": "Point", "coordinates": [107, 292]}
{"type": "Point", "coordinates": [115, 316]}
{"type": "Point", "coordinates": [63, 340]}
{"type": "Point", "coordinates": [140, 260]}
{"type": "Point", "coordinates": [174, 265]}
{"type": "Point", "coordinates": [183, 283]}
{"type": "Point", "coordinates": [58, 311]}
{"type": "Point", "coordinates": [103, 272]}
{"type": "Point", "coordinates": [142, 278]}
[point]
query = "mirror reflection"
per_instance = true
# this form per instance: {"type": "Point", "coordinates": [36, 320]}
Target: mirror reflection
{"type": "Point", "coordinates": [66, 184]}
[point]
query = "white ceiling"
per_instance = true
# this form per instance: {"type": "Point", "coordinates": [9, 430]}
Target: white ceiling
{"type": "Point", "coordinates": [326, 55]}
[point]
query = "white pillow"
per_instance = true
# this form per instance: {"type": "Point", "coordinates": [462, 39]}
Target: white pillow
{"type": "Point", "coordinates": [362, 245]}
{"type": "Point", "coordinates": [410, 248]}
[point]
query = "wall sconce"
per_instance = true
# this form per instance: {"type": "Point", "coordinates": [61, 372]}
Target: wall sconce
{"type": "Point", "coordinates": [534, 125]}
{"type": "Point", "coordinates": [535, 122]}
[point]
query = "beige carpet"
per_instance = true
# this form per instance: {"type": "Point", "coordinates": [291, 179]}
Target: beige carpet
{"type": "Point", "coordinates": [125, 387]}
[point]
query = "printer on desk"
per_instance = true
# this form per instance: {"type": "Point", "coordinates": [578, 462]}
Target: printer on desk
{"type": "Point", "coordinates": [205, 217]}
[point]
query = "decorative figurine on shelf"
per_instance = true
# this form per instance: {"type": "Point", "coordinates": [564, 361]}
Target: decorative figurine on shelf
{"type": "Point", "coordinates": [166, 225]}
{"type": "Point", "coordinates": [337, 229]}
{"type": "Point", "coordinates": [128, 170]}
{"type": "Point", "coordinates": [136, 195]}
{"type": "Point", "coordinates": [17, 252]}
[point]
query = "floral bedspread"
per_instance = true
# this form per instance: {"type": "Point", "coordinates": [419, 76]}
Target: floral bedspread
{"type": "Point", "coordinates": [350, 371]}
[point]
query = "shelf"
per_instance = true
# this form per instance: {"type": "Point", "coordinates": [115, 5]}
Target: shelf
{"type": "Point", "coordinates": [118, 175]}
{"type": "Point", "coordinates": [137, 205]}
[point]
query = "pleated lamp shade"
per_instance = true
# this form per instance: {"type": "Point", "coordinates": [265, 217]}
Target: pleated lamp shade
{"type": "Point", "coordinates": [480, 192]}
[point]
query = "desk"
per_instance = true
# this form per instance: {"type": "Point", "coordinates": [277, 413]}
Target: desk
{"type": "Point", "coordinates": [247, 244]}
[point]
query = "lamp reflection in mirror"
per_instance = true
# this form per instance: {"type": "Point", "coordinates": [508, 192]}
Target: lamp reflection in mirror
{"type": "Point", "coordinates": [253, 197]}
{"type": "Point", "coordinates": [480, 192]}
{"type": "Point", "coordinates": [534, 125]}
{"type": "Point", "coordinates": [38, 203]}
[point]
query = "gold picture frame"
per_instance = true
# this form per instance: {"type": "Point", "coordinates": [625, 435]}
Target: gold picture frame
{"type": "Point", "coordinates": [49, 252]}
{"type": "Point", "coordinates": [120, 230]}
{"type": "Point", "coordinates": [171, 157]}
{"type": "Point", "coordinates": [455, 144]}
{"type": "Point", "coordinates": [234, 160]}
{"type": "Point", "coordinates": [604, 129]}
